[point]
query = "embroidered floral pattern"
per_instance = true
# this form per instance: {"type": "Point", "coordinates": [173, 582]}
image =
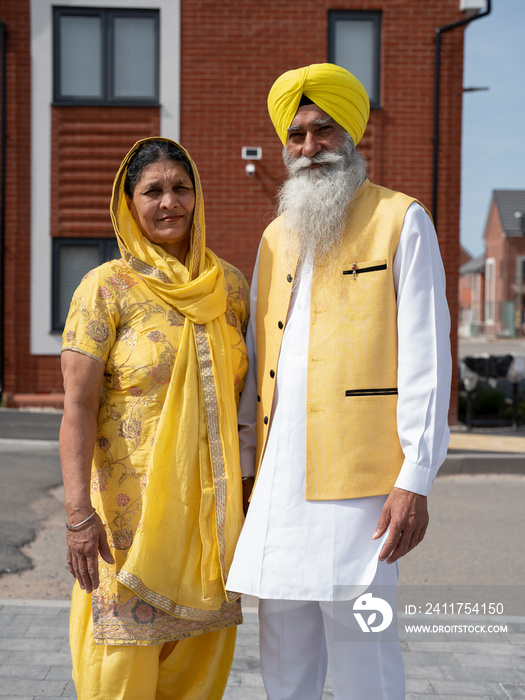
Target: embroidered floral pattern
{"type": "Point", "coordinates": [122, 539]}
{"type": "Point", "coordinates": [122, 281]}
{"type": "Point", "coordinates": [161, 373]}
{"type": "Point", "coordinates": [175, 318]}
{"type": "Point", "coordinates": [104, 292]}
{"type": "Point", "coordinates": [143, 613]}
{"type": "Point", "coordinates": [99, 482]}
{"type": "Point", "coordinates": [104, 443]}
{"type": "Point", "coordinates": [232, 318]}
{"type": "Point", "coordinates": [97, 331]}
{"type": "Point", "coordinates": [145, 623]}
{"type": "Point", "coordinates": [130, 429]}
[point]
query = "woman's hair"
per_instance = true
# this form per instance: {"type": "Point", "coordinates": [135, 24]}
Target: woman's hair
{"type": "Point", "coordinates": [151, 152]}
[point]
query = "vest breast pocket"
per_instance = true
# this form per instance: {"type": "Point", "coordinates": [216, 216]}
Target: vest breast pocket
{"type": "Point", "coordinates": [361, 268]}
{"type": "Point", "coordinates": [368, 284]}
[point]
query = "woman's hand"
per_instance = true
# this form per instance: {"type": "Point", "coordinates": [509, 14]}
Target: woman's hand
{"type": "Point", "coordinates": [83, 547]}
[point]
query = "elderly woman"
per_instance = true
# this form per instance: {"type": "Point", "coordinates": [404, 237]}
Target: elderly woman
{"type": "Point", "coordinates": [153, 362]}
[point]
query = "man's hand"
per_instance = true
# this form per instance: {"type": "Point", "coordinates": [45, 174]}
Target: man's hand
{"type": "Point", "coordinates": [406, 513]}
{"type": "Point", "coordinates": [83, 547]}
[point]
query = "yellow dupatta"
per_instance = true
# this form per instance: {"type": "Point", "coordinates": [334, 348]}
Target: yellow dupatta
{"type": "Point", "coordinates": [192, 506]}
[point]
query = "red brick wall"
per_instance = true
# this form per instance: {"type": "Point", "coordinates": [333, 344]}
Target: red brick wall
{"type": "Point", "coordinates": [231, 54]}
{"type": "Point", "coordinates": [19, 367]}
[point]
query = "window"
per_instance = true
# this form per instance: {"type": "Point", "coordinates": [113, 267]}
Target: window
{"type": "Point", "coordinates": [354, 43]}
{"type": "Point", "coordinates": [106, 57]}
{"type": "Point", "coordinates": [72, 259]}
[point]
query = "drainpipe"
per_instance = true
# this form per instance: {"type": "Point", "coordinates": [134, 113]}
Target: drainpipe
{"type": "Point", "coordinates": [437, 84]}
{"type": "Point", "coordinates": [3, 148]}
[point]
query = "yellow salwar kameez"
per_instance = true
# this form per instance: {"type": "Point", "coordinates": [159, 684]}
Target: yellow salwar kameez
{"type": "Point", "coordinates": [165, 475]}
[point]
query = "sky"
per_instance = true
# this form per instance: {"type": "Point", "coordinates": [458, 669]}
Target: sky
{"type": "Point", "coordinates": [493, 150]}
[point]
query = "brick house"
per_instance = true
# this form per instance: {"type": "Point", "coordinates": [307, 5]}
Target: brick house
{"type": "Point", "coordinates": [471, 296]}
{"type": "Point", "coordinates": [199, 73]}
{"type": "Point", "coordinates": [504, 313]}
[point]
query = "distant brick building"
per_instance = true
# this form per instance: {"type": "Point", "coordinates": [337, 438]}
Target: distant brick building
{"type": "Point", "coordinates": [199, 73]}
{"type": "Point", "coordinates": [504, 303]}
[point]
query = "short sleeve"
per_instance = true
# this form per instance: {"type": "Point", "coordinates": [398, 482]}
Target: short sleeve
{"type": "Point", "coordinates": [93, 318]}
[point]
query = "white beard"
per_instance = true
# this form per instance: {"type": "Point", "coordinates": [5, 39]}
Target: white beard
{"type": "Point", "coordinates": [315, 203]}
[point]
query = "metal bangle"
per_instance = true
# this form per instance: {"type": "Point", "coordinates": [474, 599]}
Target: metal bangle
{"type": "Point", "coordinates": [245, 478]}
{"type": "Point", "coordinates": [74, 527]}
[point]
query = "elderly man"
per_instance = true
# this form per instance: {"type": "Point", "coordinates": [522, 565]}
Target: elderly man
{"type": "Point", "coordinates": [344, 415]}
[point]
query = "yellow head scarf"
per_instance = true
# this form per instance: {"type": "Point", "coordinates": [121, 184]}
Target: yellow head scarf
{"type": "Point", "coordinates": [192, 506]}
{"type": "Point", "coordinates": [332, 88]}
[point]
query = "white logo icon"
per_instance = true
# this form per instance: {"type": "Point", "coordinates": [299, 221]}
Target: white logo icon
{"type": "Point", "coordinates": [367, 602]}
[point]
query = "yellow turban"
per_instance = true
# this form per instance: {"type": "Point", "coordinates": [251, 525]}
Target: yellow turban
{"type": "Point", "coordinates": [332, 88]}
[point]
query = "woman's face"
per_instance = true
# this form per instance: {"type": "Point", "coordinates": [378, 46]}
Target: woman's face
{"type": "Point", "coordinates": [162, 205]}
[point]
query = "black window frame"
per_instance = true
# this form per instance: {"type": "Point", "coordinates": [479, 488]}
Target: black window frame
{"type": "Point", "coordinates": [108, 99]}
{"type": "Point", "coordinates": [105, 248]}
{"type": "Point", "coordinates": [359, 16]}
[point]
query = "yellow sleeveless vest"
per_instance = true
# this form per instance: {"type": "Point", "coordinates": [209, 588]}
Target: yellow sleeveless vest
{"type": "Point", "coordinates": [352, 444]}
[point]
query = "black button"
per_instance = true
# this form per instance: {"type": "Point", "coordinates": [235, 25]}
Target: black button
{"type": "Point", "coordinates": [272, 373]}
{"type": "Point", "coordinates": [265, 420]}
{"type": "Point", "coordinates": [289, 278]}
{"type": "Point", "coordinates": [281, 325]}
{"type": "Point", "coordinates": [259, 399]}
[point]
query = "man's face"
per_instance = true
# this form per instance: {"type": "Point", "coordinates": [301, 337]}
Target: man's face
{"type": "Point", "coordinates": [313, 131]}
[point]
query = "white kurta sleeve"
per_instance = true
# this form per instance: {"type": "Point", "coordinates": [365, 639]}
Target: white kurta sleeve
{"type": "Point", "coordinates": [247, 414]}
{"type": "Point", "coordinates": [424, 364]}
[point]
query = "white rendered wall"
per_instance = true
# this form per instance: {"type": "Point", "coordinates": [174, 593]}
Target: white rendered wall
{"type": "Point", "coordinates": [43, 341]}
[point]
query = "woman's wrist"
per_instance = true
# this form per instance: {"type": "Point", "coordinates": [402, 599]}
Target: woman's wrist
{"type": "Point", "coordinates": [78, 509]}
{"type": "Point", "coordinates": [74, 526]}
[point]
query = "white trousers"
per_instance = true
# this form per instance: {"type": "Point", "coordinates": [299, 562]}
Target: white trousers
{"type": "Point", "coordinates": [298, 641]}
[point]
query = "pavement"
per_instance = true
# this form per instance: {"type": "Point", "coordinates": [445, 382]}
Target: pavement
{"type": "Point", "coordinates": [457, 657]}
{"type": "Point", "coordinates": [35, 661]}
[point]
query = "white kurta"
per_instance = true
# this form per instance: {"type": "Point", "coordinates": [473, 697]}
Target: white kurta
{"type": "Point", "coordinates": [295, 549]}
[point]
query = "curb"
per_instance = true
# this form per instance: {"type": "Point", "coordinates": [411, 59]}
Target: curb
{"type": "Point", "coordinates": [482, 463]}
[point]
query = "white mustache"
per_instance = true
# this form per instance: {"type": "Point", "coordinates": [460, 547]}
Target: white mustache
{"type": "Point", "coordinates": [324, 158]}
